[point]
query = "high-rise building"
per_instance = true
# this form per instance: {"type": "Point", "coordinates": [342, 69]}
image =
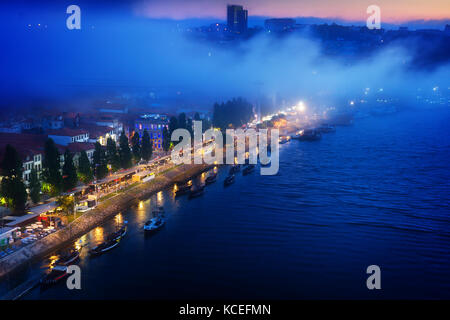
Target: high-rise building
{"type": "Point", "coordinates": [237, 19]}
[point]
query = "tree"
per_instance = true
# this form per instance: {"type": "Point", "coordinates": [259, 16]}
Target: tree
{"type": "Point", "coordinates": [182, 120]}
{"type": "Point", "coordinates": [166, 139]}
{"type": "Point", "coordinates": [34, 186]}
{"type": "Point", "coordinates": [99, 162]}
{"type": "Point", "coordinates": [136, 147]}
{"type": "Point", "coordinates": [173, 125]}
{"type": "Point", "coordinates": [70, 178]}
{"type": "Point", "coordinates": [12, 187]}
{"type": "Point", "coordinates": [124, 152]}
{"type": "Point", "coordinates": [112, 155]}
{"type": "Point", "coordinates": [190, 128]}
{"type": "Point", "coordinates": [66, 203]}
{"type": "Point", "coordinates": [11, 165]}
{"type": "Point", "coordinates": [51, 167]}
{"type": "Point", "coordinates": [147, 146]}
{"type": "Point", "coordinates": [84, 168]}
{"type": "Point", "coordinates": [14, 192]}
{"type": "Point", "coordinates": [234, 113]}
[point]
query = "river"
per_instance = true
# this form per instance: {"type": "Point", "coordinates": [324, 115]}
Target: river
{"type": "Point", "coordinates": [377, 192]}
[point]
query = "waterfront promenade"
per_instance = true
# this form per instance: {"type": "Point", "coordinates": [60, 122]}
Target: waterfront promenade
{"type": "Point", "coordinates": [97, 216]}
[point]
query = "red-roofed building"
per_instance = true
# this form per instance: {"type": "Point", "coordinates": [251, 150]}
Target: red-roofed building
{"type": "Point", "coordinates": [76, 148]}
{"type": "Point", "coordinates": [67, 135]}
{"type": "Point", "coordinates": [100, 133]}
{"type": "Point", "coordinates": [30, 148]}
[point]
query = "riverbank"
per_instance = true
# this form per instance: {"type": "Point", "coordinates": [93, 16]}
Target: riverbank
{"type": "Point", "coordinates": [105, 210]}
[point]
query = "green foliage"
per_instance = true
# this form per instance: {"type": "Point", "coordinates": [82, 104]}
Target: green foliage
{"type": "Point", "coordinates": [34, 186]}
{"type": "Point", "coordinates": [14, 191]}
{"type": "Point", "coordinates": [70, 178]}
{"type": "Point", "coordinates": [233, 113]}
{"type": "Point", "coordinates": [112, 155]}
{"type": "Point", "coordinates": [66, 203]}
{"type": "Point", "coordinates": [84, 168]}
{"type": "Point", "coordinates": [166, 139]}
{"type": "Point", "coordinates": [173, 125]}
{"type": "Point", "coordinates": [99, 162]}
{"type": "Point", "coordinates": [12, 187]}
{"type": "Point", "coordinates": [11, 165]}
{"type": "Point", "coordinates": [125, 152]}
{"type": "Point", "coordinates": [51, 167]}
{"type": "Point", "coordinates": [136, 147]}
{"type": "Point", "coordinates": [147, 147]}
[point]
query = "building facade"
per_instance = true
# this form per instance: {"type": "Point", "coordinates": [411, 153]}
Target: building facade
{"type": "Point", "coordinates": [237, 19]}
{"type": "Point", "coordinates": [154, 124]}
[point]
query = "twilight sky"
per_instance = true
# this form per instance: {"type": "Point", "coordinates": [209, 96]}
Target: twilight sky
{"type": "Point", "coordinates": [391, 10]}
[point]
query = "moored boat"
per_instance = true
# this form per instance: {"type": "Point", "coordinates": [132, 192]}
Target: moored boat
{"type": "Point", "coordinates": [56, 274]}
{"type": "Point", "coordinates": [229, 180]}
{"type": "Point", "coordinates": [211, 178]}
{"type": "Point", "coordinates": [248, 169]}
{"type": "Point", "coordinates": [309, 135]}
{"type": "Point", "coordinates": [283, 139]}
{"type": "Point", "coordinates": [326, 128]}
{"type": "Point", "coordinates": [154, 224]}
{"type": "Point", "coordinates": [197, 192]}
{"type": "Point", "coordinates": [234, 169]}
{"type": "Point", "coordinates": [182, 190]}
{"type": "Point", "coordinates": [104, 247]}
{"type": "Point", "coordinates": [119, 234]}
{"type": "Point", "coordinates": [68, 257]}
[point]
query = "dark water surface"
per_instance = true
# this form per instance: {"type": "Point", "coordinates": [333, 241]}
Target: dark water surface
{"type": "Point", "coordinates": [374, 193]}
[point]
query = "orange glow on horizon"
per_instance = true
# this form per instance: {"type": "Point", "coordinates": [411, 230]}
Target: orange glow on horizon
{"type": "Point", "coordinates": [350, 10]}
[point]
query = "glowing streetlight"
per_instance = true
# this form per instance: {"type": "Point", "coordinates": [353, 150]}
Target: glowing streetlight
{"type": "Point", "coordinates": [301, 106]}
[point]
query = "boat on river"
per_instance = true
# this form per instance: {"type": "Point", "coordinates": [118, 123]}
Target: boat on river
{"type": "Point", "coordinates": [248, 169]}
{"type": "Point", "coordinates": [211, 178]}
{"type": "Point", "coordinates": [154, 224]}
{"type": "Point", "coordinates": [308, 135]}
{"type": "Point", "coordinates": [104, 247]}
{"type": "Point", "coordinates": [57, 274]}
{"type": "Point", "coordinates": [326, 128]}
{"type": "Point", "coordinates": [197, 192]}
{"type": "Point", "coordinates": [234, 169]}
{"type": "Point", "coordinates": [229, 180]}
{"type": "Point", "coordinates": [68, 257]}
{"type": "Point", "coordinates": [183, 189]}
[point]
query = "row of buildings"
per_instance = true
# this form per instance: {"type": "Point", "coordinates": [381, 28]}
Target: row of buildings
{"type": "Point", "coordinates": [75, 132]}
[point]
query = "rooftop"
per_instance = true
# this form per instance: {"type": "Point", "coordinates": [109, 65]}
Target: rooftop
{"type": "Point", "coordinates": [67, 132]}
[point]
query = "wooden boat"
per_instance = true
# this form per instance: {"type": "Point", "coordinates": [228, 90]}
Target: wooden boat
{"type": "Point", "coordinates": [229, 180]}
{"type": "Point", "coordinates": [309, 135]}
{"type": "Point", "coordinates": [182, 190]}
{"type": "Point", "coordinates": [235, 168]}
{"type": "Point", "coordinates": [197, 192]}
{"type": "Point", "coordinates": [248, 169]}
{"type": "Point", "coordinates": [211, 179]}
{"type": "Point", "coordinates": [68, 257]}
{"type": "Point", "coordinates": [57, 274]}
{"type": "Point", "coordinates": [154, 224]}
{"type": "Point", "coordinates": [104, 247]}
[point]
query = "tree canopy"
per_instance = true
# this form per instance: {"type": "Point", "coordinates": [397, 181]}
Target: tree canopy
{"type": "Point", "coordinates": [234, 113]}
{"type": "Point", "coordinates": [51, 167]}
{"type": "Point", "coordinates": [99, 162]}
{"type": "Point", "coordinates": [70, 178]}
{"type": "Point", "coordinates": [147, 146]}
{"type": "Point", "coordinates": [84, 168]}
{"type": "Point", "coordinates": [125, 152]}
